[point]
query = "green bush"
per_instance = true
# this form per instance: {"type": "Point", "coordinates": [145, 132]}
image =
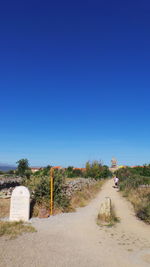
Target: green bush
{"type": "Point", "coordinates": [42, 191]}
{"type": "Point", "coordinates": [71, 172]}
{"type": "Point", "coordinates": [138, 170]}
{"type": "Point", "coordinates": [43, 172]}
{"type": "Point", "coordinates": [96, 170]}
{"type": "Point", "coordinates": [132, 181]}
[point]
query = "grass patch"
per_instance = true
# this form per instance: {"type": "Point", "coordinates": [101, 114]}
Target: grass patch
{"type": "Point", "coordinates": [4, 207]}
{"type": "Point", "coordinates": [82, 198]}
{"type": "Point", "coordinates": [13, 229]}
{"type": "Point", "coordinates": [108, 221]}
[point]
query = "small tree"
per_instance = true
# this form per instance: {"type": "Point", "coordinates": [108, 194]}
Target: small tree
{"type": "Point", "coordinates": [88, 169]}
{"type": "Point", "coordinates": [23, 167]}
{"type": "Point", "coordinates": [97, 170]}
{"type": "Point", "coordinates": [46, 170]}
{"type": "Point", "coordinates": [69, 172]}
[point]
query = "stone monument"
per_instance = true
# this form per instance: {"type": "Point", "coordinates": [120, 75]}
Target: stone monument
{"type": "Point", "coordinates": [105, 209]}
{"type": "Point", "coordinates": [20, 204]}
{"type": "Point", "coordinates": [113, 163]}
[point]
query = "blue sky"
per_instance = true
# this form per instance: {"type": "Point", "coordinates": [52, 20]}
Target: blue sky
{"type": "Point", "coordinates": [74, 82]}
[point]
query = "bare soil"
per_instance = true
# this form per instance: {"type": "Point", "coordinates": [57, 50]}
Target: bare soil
{"type": "Point", "coordinates": [74, 239]}
{"type": "Point", "coordinates": [4, 207]}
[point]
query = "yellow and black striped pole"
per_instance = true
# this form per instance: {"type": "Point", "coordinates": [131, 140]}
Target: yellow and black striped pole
{"type": "Point", "coordinates": [51, 190]}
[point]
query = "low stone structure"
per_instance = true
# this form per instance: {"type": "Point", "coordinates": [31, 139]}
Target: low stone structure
{"type": "Point", "coordinates": [7, 185]}
{"type": "Point", "coordinates": [105, 209]}
{"type": "Point", "coordinates": [43, 213]}
{"type": "Point", "coordinates": [20, 204]}
{"type": "Point", "coordinates": [77, 185]}
{"type": "Point", "coordinates": [113, 163]}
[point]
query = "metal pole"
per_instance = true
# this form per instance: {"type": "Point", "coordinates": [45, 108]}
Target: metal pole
{"type": "Point", "coordinates": [51, 190]}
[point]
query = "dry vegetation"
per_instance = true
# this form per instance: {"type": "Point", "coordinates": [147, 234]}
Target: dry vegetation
{"type": "Point", "coordinates": [82, 198]}
{"type": "Point", "coordinates": [135, 185]}
{"type": "Point", "coordinates": [136, 195]}
{"type": "Point", "coordinates": [4, 207]}
{"type": "Point", "coordinates": [140, 199]}
{"type": "Point", "coordinates": [13, 229]}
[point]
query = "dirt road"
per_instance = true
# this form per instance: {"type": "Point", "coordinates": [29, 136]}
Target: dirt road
{"type": "Point", "coordinates": [74, 239]}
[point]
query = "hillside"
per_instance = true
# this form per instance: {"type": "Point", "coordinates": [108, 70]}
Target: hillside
{"type": "Point", "coordinates": [6, 167]}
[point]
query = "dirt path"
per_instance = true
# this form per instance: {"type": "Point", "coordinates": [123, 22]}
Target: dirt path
{"type": "Point", "coordinates": [74, 239]}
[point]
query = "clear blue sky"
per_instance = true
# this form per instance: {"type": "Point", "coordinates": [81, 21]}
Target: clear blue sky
{"type": "Point", "coordinates": [74, 81]}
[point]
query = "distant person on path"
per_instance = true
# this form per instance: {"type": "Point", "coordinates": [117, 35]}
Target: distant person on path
{"type": "Point", "coordinates": [116, 181]}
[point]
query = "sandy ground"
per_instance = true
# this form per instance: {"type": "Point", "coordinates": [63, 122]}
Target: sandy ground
{"type": "Point", "coordinates": [74, 239]}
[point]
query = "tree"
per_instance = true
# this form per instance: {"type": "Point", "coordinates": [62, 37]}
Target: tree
{"type": "Point", "coordinates": [97, 170]}
{"type": "Point", "coordinates": [28, 173]}
{"type": "Point", "coordinates": [88, 169]}
{"type": "Point", "coordinates": [46, 170]}
{"type": "Point", "coordinates": [69, 172]}
{"type": "Point", "coordinates": [23, 167]}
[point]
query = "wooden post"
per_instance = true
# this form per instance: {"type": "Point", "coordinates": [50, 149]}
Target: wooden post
{"type": "Point", "coordinates": [51, 190]}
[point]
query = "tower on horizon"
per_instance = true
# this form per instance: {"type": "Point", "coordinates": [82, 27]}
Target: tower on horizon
{"type": "Point", "coordinates": [113, 163]}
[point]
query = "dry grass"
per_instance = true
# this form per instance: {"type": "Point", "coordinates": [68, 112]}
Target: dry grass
{"type": "Point", "coordinates": [82, 198]}
{"type": "Point", "coordinates": [13, 229]}
{"type": "Point", "coordinates": [69, 179]}
{"type": "Point", "coordinates": [4, 207]}
{"type": "Point", "coordinates": [56, 210]}
{"type": "Point", "coordinates": [136, 196]}
{"type": "Point", "coordinates": [139, 198]}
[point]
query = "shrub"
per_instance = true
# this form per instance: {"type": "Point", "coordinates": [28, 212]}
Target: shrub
{"type": "Point", "coordinates": [42, 191]}
{"type": "Point", "coordinates": [130, 181]}
{"type": "Point", "coordinates": [96, 170]}
{"type": "Point", "coordinates": [144, 213]}
{"type": "Point", "coordinates": [133, 181]}
{"type": "Point", "coordinates": [72, 172]}
{"type": "Point", "coordinates": [43, 172]}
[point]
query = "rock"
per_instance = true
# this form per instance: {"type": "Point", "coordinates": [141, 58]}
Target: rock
{"type": "Point", "coordinates": [105, 209]}
{"type": "Point", "coordinates": [43, 213]}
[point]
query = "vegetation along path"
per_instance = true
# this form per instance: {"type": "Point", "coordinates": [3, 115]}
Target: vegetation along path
{"type": "Point", "coordinates": [74, 239]}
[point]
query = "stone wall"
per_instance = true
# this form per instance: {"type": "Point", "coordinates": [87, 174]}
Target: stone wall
{"type": "Point", "coordinates": [7, 184]}
{"type": "Point", "coordinates": [77, 185]}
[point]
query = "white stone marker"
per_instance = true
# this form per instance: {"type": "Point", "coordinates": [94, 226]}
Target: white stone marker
{"type": "Point", "coordinates": [20, 204]}
{"type": "Point", "coordinates": [105, 208]}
